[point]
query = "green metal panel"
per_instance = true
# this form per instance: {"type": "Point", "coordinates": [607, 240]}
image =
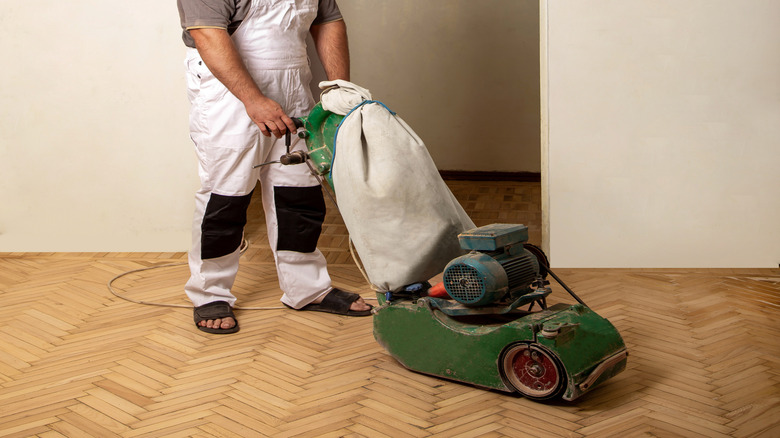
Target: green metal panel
{"type": "Point", "coordinates": [469, 348]}
{"type": "Point", "coordinates": [319, 130]}
{"type": "Point", "coordinates": [418, 337]}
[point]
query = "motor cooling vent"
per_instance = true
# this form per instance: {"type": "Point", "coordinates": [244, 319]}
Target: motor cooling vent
{"type": "Point", "coordinates": [521, 271]}
{"type": "Point", "coordinates": [464, 283]}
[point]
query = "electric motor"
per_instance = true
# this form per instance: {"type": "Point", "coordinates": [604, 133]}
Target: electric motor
{"type": "Point", "coordinates": [498, 267]}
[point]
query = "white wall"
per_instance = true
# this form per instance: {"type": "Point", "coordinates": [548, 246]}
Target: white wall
{"type": "Point", "coordinates": [94, 149]}
{"type": "Point", "coordinates": [662, 132]}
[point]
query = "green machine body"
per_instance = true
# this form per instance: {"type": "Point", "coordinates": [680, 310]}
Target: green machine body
{"type": "Point", "coordinates": [492, 328]}
{"type": "Point", "coordinates": [319, 132]}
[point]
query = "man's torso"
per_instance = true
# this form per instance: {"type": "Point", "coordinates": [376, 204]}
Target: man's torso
{"type": "Point", "coordinates": [228, 14]}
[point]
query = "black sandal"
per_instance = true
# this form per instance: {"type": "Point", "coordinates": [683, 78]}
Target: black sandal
{"type": "Point", "coordinates": [337, 301]}
{"type": "Point", "coordinates": [215, 310]}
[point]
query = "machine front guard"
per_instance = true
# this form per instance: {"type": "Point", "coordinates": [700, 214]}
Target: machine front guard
{"type": "Point", "coordinates": [471, 348]}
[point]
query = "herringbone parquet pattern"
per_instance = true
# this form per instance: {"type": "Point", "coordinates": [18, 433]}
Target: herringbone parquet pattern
{"type": "Point", "coordinates": [77, 361]}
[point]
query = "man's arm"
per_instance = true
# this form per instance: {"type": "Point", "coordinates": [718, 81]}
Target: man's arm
{"type": "Point", "coordinates": [331, 41]}
{"type": "Point", "coordinates": [217, 50]}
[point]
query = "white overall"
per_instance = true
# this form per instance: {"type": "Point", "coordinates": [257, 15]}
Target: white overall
{"type": "Point", "coordinates": [271, 41]}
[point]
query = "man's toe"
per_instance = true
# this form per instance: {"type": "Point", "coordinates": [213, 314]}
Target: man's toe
{"type": "Point", "coordinates": [359, 305]}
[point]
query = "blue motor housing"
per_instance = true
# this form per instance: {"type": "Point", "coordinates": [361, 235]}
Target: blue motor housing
{"type": "Point", "coordinates": [497, 268]}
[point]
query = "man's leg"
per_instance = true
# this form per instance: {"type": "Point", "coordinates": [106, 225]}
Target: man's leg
{"type": "Point", "coordinates": [227, 147]}
{"type": "Point", "coordinates": [218, 226]}
{"type": "Point", "coordinates": [295, 210]}
{"type": "Point", "coordinates": [217, 235]}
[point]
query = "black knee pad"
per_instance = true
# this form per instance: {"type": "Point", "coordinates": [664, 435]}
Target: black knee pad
{"type": "Point", "coordinates": [300, 212]}
{"type": "Point", "coordinates": [223, 225]}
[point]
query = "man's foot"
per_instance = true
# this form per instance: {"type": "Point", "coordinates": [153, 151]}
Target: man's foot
{"type": "Point", "coordinates": [358, 305]}
{"type": "Point", "coordinates": [215, 317]}
{"type": "Point", "coordinates": [341, 303]}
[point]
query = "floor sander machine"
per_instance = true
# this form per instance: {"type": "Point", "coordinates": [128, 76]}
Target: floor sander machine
{"type": "Point", "coordinates": [487, 323]}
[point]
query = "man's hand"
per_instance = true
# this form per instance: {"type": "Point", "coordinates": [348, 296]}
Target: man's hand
{"type": "Point", "coordinates": [223, 60]}
{"type": "Point", "coordinates": [269, 117]}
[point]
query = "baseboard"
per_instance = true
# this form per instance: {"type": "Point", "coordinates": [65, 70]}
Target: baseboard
{"type": "Point", "coordinates": [467, 175]}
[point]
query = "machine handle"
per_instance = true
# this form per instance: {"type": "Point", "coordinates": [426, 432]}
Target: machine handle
{"type": "Point", "coordinates": [296, 157]}
{"type": "Point", "coordinates": [287, 139]}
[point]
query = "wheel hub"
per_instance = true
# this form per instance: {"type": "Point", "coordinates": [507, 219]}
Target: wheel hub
{"type": "Point", "coordinates": [532, 371]}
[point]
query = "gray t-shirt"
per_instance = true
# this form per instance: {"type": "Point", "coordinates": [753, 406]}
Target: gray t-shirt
{"type": "Point", "coordinates": [228, 14]}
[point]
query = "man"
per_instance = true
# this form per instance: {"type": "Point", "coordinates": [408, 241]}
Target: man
{"type": "Point", "coordinates": [247, 74]}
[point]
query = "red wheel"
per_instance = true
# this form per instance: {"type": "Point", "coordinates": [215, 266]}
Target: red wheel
{"type": "Point", "coordinates": [533, 371]}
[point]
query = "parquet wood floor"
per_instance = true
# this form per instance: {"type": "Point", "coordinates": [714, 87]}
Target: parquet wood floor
{"type": "Point", "coordinates": [78, 361]}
